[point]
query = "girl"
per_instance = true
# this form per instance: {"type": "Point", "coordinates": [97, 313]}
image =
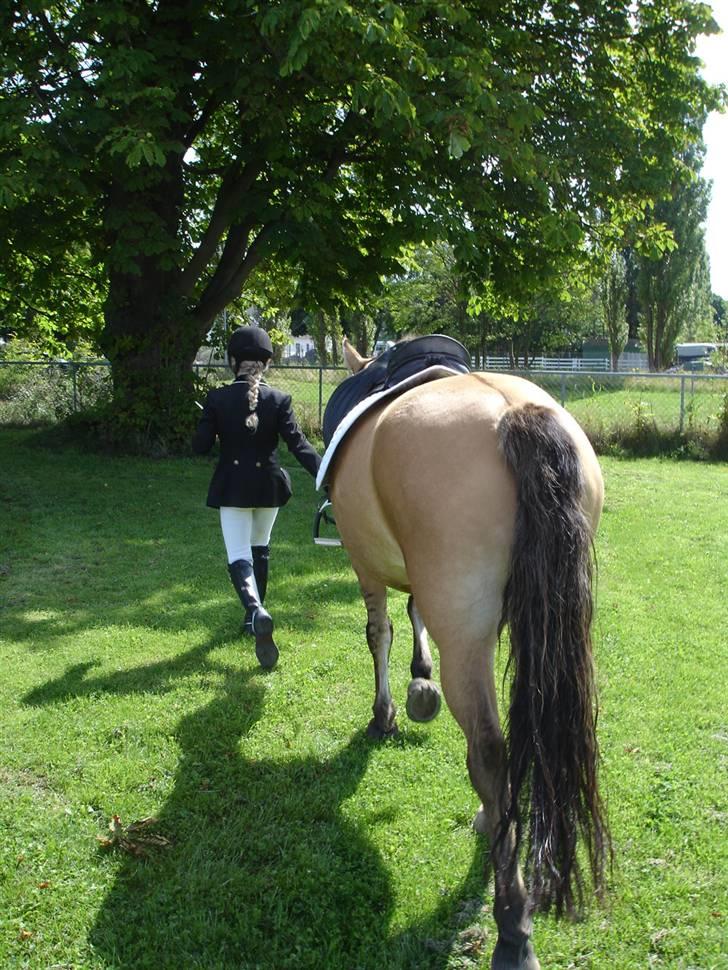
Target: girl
{"type": "Point", "coordinates": [248, 484]}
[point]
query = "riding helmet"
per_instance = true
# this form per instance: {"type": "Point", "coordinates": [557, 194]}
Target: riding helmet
{"type": "Point", "coordinates": [249, 343]}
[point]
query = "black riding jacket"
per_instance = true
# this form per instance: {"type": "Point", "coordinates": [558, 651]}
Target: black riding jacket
{"type": "Point", "coordinates": [248, 473]}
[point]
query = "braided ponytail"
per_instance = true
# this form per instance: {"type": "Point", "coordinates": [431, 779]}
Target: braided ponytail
{"type": "Point", "coordinates": [252, 371]}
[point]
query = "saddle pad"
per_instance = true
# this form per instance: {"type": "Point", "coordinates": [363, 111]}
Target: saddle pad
{"type": "Point", "coordinates": [349, 420]}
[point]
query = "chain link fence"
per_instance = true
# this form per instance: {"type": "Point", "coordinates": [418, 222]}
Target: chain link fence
{"type": "Point", "coordinates": [33, 392]}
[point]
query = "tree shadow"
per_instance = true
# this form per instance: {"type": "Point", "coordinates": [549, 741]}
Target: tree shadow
{"type": "Point", "coordinates": [265, 869]}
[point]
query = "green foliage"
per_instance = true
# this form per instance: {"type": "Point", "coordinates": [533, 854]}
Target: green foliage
{"type": "Point", "coordinates": [182, 148]}
{"type": "Point", "coordinates": [674, 288]}
{"type": "Point", "coordinates": [613, 293]}
{"type": "Point", "coordinates": [720, 315]}
{"type": "Point", "coordinates": [721, 444]}
{"type": "Point", "coordinates": [53, 298]}
{"type": "Point", "coordinates": [41, 389]}
{"type": "Point", "coordinates": [430, 296]}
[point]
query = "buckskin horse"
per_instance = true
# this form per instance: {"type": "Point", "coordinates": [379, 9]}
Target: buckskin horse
{"type": "Point", "coordinates": [479, 496]}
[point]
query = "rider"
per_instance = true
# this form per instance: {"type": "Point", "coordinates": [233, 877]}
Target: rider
{"type": "Point", "coordinates": [248, 484]}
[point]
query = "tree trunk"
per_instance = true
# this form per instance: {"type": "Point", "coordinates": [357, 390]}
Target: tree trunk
{"type": "Point", "coordinates": [154, 383]}
{"type": "Point", "coordinates": [318, 335]}
{"type": "Point", "coordinates": [150, 333]}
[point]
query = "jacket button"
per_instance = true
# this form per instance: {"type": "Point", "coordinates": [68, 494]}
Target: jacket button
{"type": "Point", "coordinates": [257, 464]}
{"type": "Point", "coordinates": [235, 461]}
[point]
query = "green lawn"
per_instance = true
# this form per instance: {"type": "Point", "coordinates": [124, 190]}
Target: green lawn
{"type": "Point", "coordinates": [295, 842]}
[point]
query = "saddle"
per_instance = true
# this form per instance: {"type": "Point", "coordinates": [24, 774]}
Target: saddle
{"type": "Point", "coordinates": [405, 359]}
{"type": "Point", "coordinates": [403, 366]}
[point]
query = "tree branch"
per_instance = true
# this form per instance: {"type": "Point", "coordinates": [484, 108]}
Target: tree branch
{"type": "Point", "coordinates": [220, 292]}
{"type": "Point", "coordinates": [232, 189]}
{"type": "Point", "coordinates": [197, 125]}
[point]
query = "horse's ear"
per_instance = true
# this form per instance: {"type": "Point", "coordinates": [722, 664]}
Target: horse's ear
{"type": "Point", "coordinates": [354, 361]}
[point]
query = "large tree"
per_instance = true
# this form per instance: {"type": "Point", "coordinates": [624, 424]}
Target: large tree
{"type": "Point", "coordinates": [189, 142]}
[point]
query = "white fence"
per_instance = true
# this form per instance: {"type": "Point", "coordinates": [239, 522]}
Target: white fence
{"type": "Point", "coordinates": [627, 362]}
{"type": "Point", "coordinates": [544, 363]}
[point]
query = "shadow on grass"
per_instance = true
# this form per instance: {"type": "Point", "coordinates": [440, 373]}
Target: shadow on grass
{"type": "Point", "coordinates": [267, 868]}
{"type": "Point", "coordinates": [264, 869]}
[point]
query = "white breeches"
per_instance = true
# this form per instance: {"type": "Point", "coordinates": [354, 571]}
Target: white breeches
{"type": "Point", "coordinates": [244, 528]}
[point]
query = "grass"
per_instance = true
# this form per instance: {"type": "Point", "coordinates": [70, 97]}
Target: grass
{"type": "Point", "coordinates": [296, 843]}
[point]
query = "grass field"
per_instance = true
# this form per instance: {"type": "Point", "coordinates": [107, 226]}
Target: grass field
{"type": "Point", "coordinates": [293, 841]}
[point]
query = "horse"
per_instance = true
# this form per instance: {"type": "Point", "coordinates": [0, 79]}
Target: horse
{"type": "Point", "coordinates": [479, 496]}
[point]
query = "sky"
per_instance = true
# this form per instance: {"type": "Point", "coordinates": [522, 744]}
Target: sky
{"type": "Point", "coordinates": [713, 51]}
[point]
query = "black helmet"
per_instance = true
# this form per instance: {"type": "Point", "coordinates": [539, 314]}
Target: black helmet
{"type": "Point", "coordinates": [249, 343]}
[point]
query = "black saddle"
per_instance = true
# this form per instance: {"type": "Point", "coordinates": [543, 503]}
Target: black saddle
{"type": "Point", "coordinates": [392, 367]}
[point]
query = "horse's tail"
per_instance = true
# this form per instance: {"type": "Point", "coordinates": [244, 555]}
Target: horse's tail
{"type": "Point", "coordinates": [552, 745]}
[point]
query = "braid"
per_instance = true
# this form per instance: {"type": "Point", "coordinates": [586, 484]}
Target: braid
{"type": "Point", "coordinates": [252, 370]}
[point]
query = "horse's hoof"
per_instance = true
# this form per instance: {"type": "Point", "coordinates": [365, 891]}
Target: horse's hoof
{"type": "Point", "coordinates": [379, 734]}
{"type": "Point", "coordinates": [514, 956]}
{"type": "Point", "coordinates": [423, 700]}
{"type": "Point", "coordinates": [480, 823]}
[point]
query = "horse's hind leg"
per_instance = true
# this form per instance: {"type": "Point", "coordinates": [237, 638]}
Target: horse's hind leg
{"type": "Point", "coordinates": [423, 694]}
{"type": "Point", "coordinates": [466, 671]}
{"type": "Point", "coordinates": [379, 640]}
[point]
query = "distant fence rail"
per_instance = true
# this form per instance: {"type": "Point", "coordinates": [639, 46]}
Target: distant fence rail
{"type": "Point", "coordinates": [34, 392]}
{"type": "Point", "coordinates": [549, 364]}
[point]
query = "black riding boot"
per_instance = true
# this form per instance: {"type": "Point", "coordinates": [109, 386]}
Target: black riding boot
{"type": "Point", "coordinates": [261, 557]}
{"type": "Point", "coordinates": [243, 579]}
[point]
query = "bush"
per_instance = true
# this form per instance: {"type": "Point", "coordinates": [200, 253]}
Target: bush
{"type": "Point", "coordinates": [38, 391]}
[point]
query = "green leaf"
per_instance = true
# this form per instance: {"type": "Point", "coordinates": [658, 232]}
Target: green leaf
{"type": "Point", "coordinates": [458, 145]}
{"type": "Point", "coordinates": [309, 21]}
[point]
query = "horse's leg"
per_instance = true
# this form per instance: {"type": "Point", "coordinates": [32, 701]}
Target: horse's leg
{"type": "Point", "coordinates": [379, 640]}
{"type": "Point", "coordinates": [468, 682]}
{"type": "Point", "coordinates": [423, 694]}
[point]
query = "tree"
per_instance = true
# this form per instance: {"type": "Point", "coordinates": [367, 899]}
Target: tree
{"type": "Point", "coordinates": [553, 319]}
{"type": "Point", "coordinates": [613, 295]}
{"type": "Point", "coordinates": [674, 288]}
{"type": "Point", "coordinates": [55, 299]}
{"type": "Point", "coordinates": [187, 143]}
{"type": "Point", "coordinates": [430, 296]}
{"type": "Point", "coordinates": [325, 330]}
{"type": "Point", "coordinates": [720, 315]}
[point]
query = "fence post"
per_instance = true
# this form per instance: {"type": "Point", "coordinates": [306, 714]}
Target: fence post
{"type": "Point", "coordinates": [563, 390]}
{"type": "Point", "coordinates": [682, 402]}
{"type": "Point", "coordinates": [321, 397]}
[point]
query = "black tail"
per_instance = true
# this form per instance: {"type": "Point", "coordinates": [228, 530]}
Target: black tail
{"type": "Point", "coordinates": [552, 745]}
